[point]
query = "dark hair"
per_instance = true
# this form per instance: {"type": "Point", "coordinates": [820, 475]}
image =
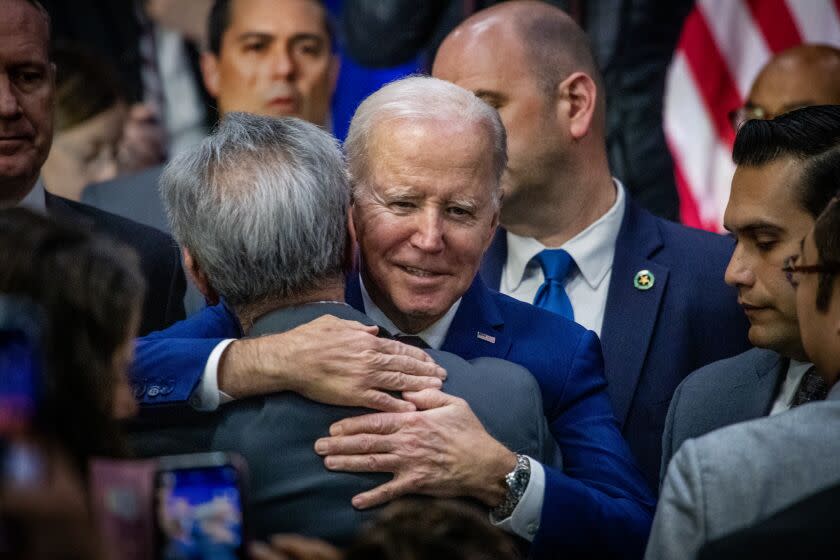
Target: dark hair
{"type": "Point", "coordinates": [219, 21]}
{"type": "Point", "coordinates": [85, 86]}
{"type": "Point", "coordinates": [90, 290]}
{"type": "Point", "coordinates": [827, 240]}
{"type": "Point", "coordinates": [431, 529]}
{"type": "Point", "coordinates": [810, 134]}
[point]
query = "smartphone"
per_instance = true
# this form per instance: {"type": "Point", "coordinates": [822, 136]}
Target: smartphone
{"type": "Point", "coordinates": [122, 500]}
{"type": "Point", "coordinates": [20, 389]}
{"type": "Point", "coordinates": [20, 364]}
{"type": "Point", "coordinates": [199, 507]}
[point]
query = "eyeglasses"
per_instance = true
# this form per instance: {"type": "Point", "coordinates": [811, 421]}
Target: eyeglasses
{"type": "Point", "coordinates": [790, 268]}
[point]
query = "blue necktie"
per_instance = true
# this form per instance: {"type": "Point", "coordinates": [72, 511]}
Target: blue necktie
{"type": "Point", "coordinates": [556, 264]}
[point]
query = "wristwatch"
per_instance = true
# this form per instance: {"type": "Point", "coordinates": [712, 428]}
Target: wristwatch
{"type": "Point", "coordinates": [516, 482]}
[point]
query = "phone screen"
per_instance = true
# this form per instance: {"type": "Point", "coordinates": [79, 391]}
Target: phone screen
{"type": "Point", "coordinates": [19, 374]}
{"type": "Point", "coordinates": [199, 513]}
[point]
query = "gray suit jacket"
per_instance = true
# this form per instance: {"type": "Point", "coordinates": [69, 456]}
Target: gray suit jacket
{"type": "Point", "coordinates": [739, 475]}
{"type": "Point", "coordinates": [290, 489]}
{"type": "Point", "coordinates": [132, 196]}
{"type": "Point", "coordinates": [720, 394]}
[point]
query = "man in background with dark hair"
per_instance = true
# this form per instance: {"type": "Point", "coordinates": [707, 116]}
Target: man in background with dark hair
{"type": "Point", "coordinates": [271, 58]}
{"type": "Point", "coordinates": [733, 477]}
{"type": "Point", "coordinates": [787, 171]}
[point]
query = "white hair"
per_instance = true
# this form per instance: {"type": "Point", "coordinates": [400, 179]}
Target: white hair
{"type": "Point", "coordinates": [422, 98]}
{"type": "Point", "coordinates": [261, 205]}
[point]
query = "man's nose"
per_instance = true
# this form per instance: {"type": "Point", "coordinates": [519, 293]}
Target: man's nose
{"type": "Point", "coordinates": [428, 236]}
{"type": "Point", "coordinates": [9, 105]}
{"type": "Point", "coordinates": [283, 63]}
{"type": "Point", "coordinates": [739, 272]}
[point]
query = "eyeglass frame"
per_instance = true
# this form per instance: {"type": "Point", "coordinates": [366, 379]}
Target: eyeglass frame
{"type": "Point", "coordinates": [790, 269]}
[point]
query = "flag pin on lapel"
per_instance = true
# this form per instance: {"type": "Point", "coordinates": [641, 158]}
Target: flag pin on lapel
{"type": "Point", "coordinates": [486, 337]}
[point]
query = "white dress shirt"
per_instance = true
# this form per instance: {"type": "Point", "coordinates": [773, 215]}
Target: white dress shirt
{"type": "Point", "coordinates": [588, 282]}
{"type": "Point", "coordinates": [525, 519]}
{"type": "Point", "coordinates": [795, 372]}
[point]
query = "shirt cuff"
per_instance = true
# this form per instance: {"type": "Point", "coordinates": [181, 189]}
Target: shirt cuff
{"type": "Point", "coordinates": [525, 519]}
{"type": "Point", "coordinates": [207, 397]}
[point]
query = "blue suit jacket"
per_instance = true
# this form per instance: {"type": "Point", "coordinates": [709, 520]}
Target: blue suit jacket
{"type": "Point", "coordinates": [653, 339]}
{"type": "Point", "coordinates": [597, 506]}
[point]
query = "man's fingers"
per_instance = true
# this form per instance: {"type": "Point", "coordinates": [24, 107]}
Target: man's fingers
{"type": "Point", "coordinates": [354, 445]}
{"type": "Point", "coordinates": [382, 494]}
{"type": "Point", "coordinates": [397, 348]}
{"type": "Point", "coordinates": [378, 423]}
{"type": "Point", "coordinates": [378, 400]}
{"type": "Point", "coordinates": [381, 462]}
{"type": "Point", "coordinates": [398, 381]}
{"type": "Point", "coordinates": [413, 366]}
{"type": "Point", "coordinates": [355, 325]}
{"type": "Point", "coordinates": [429, 398]}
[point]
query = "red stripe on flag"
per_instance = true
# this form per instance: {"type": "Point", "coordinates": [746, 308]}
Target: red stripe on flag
{"type": "Point", "coordinates": [776, 23]}
{"type": "Point", "coordinates": [689, 211]}
{"type": "Point", "coordinates": [837, 6]}
{"type": "Point", "coordinates": [711, 74]}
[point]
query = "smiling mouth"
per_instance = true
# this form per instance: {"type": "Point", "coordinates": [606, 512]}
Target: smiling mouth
{"type": "Point", "coordinates": [420, 273]}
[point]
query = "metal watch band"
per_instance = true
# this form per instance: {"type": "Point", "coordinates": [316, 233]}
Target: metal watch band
{"type": "Point", "coordinates": [516, 481]}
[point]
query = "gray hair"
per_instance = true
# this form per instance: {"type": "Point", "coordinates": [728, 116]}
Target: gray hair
{"type": "Point", "coordinates": [421, 98]}
{"type": "Point", "coordinates": [261, 205]}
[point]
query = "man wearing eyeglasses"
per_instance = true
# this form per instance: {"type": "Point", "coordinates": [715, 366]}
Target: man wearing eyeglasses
{"type": "Point", "coordinates": [788, 170]}
{"type": "Point", "coordinates": [800, 76]}
{"type": "Point", "coordinates": [808, 526]}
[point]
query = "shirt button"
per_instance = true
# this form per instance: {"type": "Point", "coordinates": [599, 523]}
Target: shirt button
{"type": "Point", "coordinates": [153, 391]}
{"type": "Point", "coordinates": [532, 529]}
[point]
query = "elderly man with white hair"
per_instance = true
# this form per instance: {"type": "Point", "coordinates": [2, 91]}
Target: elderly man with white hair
{"type": "Point", "coordinates": [426, 159]}
{"type": "Point", "coordinates": [261, 211]}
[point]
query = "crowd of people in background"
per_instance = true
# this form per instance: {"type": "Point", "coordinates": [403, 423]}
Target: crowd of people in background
{"type": "Point", "coordinates": [455, 333]}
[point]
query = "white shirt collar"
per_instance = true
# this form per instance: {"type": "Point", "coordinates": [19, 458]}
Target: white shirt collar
{"type": "Point", "coordinates": [36, 199]}
{"type": "Point", "coordinates": [592, 249]}
{"type": "Point", "coordinates": [793, 378]}
{"type": "Point", "coordinates": [433, 335]}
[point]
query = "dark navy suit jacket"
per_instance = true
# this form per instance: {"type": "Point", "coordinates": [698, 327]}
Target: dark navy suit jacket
{"type": "Point", "coordinates": [597, 506]}
{"type": "Point", "coordinates": [652, 339]}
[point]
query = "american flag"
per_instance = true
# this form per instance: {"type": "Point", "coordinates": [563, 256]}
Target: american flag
{"type": "Point", "coordinates": [723, 46]}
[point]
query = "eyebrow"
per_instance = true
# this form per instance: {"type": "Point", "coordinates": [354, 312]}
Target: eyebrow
{"type": "Point", "coordinates": [264, 35]}
{"type": "Point", "coordinates": [761, 227]}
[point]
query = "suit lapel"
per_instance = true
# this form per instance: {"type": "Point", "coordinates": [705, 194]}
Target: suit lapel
{"type": "Point", "coordinates": [477, 329]}
{"type": "Point", "coordinates": [759, 390]}
{"type": "Point", "coordinates": [494, 260]}
{"type": "Point", "coordinates": [631, 313]}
